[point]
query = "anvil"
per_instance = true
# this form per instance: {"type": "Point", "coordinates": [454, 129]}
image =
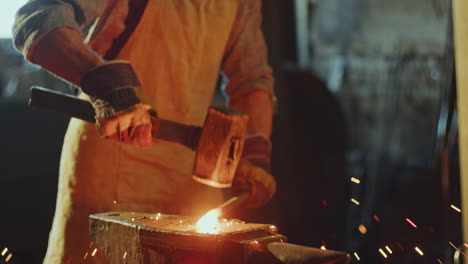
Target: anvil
{"type": "Point", "coordinates": [125, 237]}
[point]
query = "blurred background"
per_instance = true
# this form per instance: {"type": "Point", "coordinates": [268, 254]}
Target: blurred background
{"type": "Point", "coordinates": [365, 145]}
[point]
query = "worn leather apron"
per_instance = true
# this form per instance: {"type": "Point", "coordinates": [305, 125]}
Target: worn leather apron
{"type": "Point", "coordinates": [176, 50]}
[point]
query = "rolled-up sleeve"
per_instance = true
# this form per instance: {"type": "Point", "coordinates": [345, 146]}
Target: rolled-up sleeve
{"type": "Point", "coordinates": [245, 61]}
{"type": "Point", "coordinates": [38, 17]}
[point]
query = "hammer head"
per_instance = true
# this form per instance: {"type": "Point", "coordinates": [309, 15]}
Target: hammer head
{"type": "Point", "coordinates": [220, 147]}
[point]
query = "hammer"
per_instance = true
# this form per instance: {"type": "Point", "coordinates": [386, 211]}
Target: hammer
{"type": "Point", "coordinates": [218, 144]}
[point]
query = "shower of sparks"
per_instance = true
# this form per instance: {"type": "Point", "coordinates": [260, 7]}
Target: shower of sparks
{"type": "Point", "coordinates": [356, 181]}
{"type": "Point", "coordinates": [419, 251]}
{"type": "Point", "coordinates": [383, 253]}
{"type": "Point", "coordinates": [411, 223]}
{"type": "Point", "coordinates": [8, 257]}
{"type": "Point", "coordinates": [388, 249]}
{"type": "Point", "coordinates": [357, 256]}
{"type": "Point", "coordinates": [452, 245]}
{"type": "Point", "coordinates": [94, 252]}
{"type": "Point", "coordinates": [125, 255]}
{"type": "Point", "coordinates": [455, 208]}
{"type": "Point", "coordinates": [354, 201]}
{"type": "Point", "coordinates": [323, 248]}
{"type": "Point", "coordinates": [440, 261]}
{"type": "Point", "coordinates": [4, 251]}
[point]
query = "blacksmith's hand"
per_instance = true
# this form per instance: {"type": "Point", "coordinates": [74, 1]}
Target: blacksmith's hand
{"type": "Point", "coordinates": [257, 181]}
{"type": "Point", "coordinates": [253, 173]}
{"type": "Point", "coordinates": [120, 115]}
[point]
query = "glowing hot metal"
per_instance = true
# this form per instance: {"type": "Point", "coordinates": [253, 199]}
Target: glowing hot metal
{"type": "Point", "coordinates": [209, 223]}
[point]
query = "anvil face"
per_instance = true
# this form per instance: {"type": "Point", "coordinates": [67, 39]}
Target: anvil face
{"type": "Point", "coordinates": [183, 225]}
{"type": "Point", "coordinates": [175, 238]}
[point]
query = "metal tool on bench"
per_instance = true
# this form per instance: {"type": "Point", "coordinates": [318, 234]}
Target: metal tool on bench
{"type": "Point", "coordinates": [218, 144]}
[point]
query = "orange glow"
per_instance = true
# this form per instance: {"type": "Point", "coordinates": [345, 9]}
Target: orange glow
{"type": "Point", "coordinates": [8, 257]}
{"type": "Point", "coordinates": [362, 229]}
{"type": "Point", "coordinates": [209, 223]}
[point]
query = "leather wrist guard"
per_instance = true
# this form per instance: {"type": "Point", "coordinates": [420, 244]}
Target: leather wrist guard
{"type": "Point", "coordinates": [257, 150]}
{"type": "Point", "coordinates": [110, 87]}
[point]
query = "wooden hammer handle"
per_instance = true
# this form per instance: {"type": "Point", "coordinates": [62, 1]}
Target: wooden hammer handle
{"type": "Point", "coordinates": [72, 106]}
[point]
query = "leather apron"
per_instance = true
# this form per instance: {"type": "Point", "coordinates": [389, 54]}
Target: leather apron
{"type": "Point", "coordinates": [176, 50]}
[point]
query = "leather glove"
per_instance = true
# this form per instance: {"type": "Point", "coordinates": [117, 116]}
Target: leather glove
{"type": "Point", "coordinates": [253, 174]}
{"type": "Point", "coordinates": [120, 115]}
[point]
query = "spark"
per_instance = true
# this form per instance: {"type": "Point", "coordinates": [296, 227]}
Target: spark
{"type": "Point", "coordinates": [256, 242]}
{"type": "Point", "coordinates": [362, 229]}
{"type": "Point", "coordinates": [419, 251]}
{"type": "Point", "coordinates": [85, 256]}
{"type": "Point", "coordinates": [440, 261]}
{"type": "Point", "coordinates": [388, 249]}
{"type": "Point", "coordinates": [383, 253]}
{"type": "Point", "coordinates": [208, 223]}
{"type": "Point", "coordinates": [465, 244]}
{"type": "Point", "coordinates": [356, 181]}
{"type": "Point", "coordinates": [411, 223]}
{"type": "Point", "coordinates": [125, 255]}
{"type": "Point", "coordinates": [451, 244]}
{"type": "Point", "coordinates": [357, 256]}
{"type": "Point", "coordinates": [180, 221]}
{"type": "Point", "coordinates": [455, 208]}
{"type": "Point", "coordinates": [323, 248]}
{"type": "Point", "coordinates": [4, 251]}
{"type": "Point", "coordinates": [354, 201]}
{"type": "Point", "coordinates": [376, 218]}
{"type": "Point", "coordinates": [133, 218]}
{"type": "Point", "coordinates": [94, 252]}
{"type": "Point", "coordinates": [282, 241]}
{"type": "Point", "coordinates": [158, 214]}
{"type": "Point", "coordinates": [8, 257]}
{"type": "Point", "coordinates": [273, 228]}
{"type": "Point", "coordinates": [115, 201]}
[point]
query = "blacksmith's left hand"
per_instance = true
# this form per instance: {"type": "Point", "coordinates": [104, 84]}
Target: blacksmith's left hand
{"type": "Point", "coordinates": [255, 180]}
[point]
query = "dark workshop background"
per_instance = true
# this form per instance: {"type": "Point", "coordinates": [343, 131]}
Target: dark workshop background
{"type": "Point", "coordinates": [365, 151]}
